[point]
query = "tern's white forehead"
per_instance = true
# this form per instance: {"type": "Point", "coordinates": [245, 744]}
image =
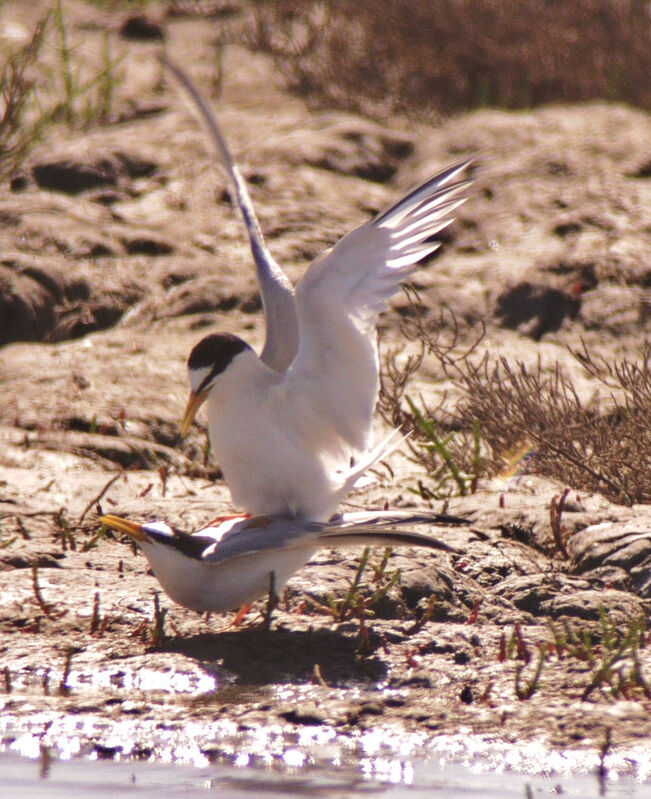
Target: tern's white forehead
{"type": "Point", "coordinates": [158, 527]}
{"type": "Point", "coordinates": [198, 377]}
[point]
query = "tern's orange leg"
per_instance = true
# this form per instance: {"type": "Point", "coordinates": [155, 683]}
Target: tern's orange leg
{"type": "Point", "coordinates": [239, 617]}
{"type": "Point", "coordinates": [236, 622]}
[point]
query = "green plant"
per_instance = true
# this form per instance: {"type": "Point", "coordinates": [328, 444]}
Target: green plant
{"type": "Point", "coordinates": [449, 468]}
{"type": "Point", "coordinates": [25, 80]}
{"type": "Point", "coordinates": [94, 539]}
{"type": "Point", "coordinates": [65, 532]}
{"type": "Point", "coordinates": [360, 598]}
{"type": "Point", "coordinates": [526, 691]}
{"type": "Point", "coordinates": [555, 519]}
{"type": "Point", "coordinates": [99, 107]}
{"type": "Point", "coordinates": [425, 615]}
{"type": "Point", "coordinates": [5, 542]}
{"type": "Point", "coordinates": [515, 648]}
{"type": "Point", "coordinates": [614, 662]}
{"type": "Point", "coordinates": [357, 605]}
{"type": "Point", "coordinates": [67, 70]}
{"type": "Point", "coordinates": [272, 601]}
{"type": "Point", "coordinates": [452, 455]}
{"type": "Point", "coordinates": [158, 634]}
{"type": "Point", "coordinates": [21, 122]}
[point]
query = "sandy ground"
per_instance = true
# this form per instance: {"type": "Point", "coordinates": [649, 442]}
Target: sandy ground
{"type": "Point", "coordinates": [120, 249]}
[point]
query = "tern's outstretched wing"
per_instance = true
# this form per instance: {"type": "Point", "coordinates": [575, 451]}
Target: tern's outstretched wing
{"type": "Point", "coordinates": [281, 342]}
{"type": "Point", "coordinates": [366, 528]}
{"type": "Point", "coordinates": [343, 292]}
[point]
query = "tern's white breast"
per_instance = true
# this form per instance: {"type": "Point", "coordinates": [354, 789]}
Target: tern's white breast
{"type": "Point", "coordinates": [205, 586]}
{"type": "Point", "coordinates": [278, 455]}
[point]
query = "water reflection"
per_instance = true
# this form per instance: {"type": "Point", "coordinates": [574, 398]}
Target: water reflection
{"type": "Point", "coordinates": [389, 778]}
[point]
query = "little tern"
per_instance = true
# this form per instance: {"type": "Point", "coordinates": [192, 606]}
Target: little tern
{"type": "Point", "coordinates": [292, 428]}
{"type": "Point", "coordinates": [232, 561]}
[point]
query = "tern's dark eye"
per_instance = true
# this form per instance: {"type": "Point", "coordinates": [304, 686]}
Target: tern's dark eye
{"type": "Point", "coordinates": [193, 546]}
{"type": "Point", "coordinates": [215, 352]}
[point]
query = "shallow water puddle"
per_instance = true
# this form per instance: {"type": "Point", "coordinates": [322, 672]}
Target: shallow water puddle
{"type": "Point", "coordinates": [200, 719]}
{"type": "Point", "coordinates": [116, 679]}
{"type": "Point", "coordinates": [382, 755]}
{"type": "Point", "coordinates": [45, 778]}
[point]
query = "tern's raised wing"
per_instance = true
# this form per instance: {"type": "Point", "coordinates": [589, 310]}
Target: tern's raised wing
{"type": "Point", "coordinates": [281, 342]}
{"type": "Point", "coordinates": [343, 292]}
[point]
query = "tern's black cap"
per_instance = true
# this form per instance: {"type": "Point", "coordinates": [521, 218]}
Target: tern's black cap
{"type": "Point", "coordinates": [215, 352]}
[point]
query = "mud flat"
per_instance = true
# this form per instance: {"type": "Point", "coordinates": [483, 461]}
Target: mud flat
{"type": "Point", "coordinates": [120, 249]}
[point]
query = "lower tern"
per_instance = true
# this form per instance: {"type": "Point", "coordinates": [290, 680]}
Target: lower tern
{"type": "Point", "coordinates": [292, 428]}
{"type": "Point", "coordinates": [233, 561]}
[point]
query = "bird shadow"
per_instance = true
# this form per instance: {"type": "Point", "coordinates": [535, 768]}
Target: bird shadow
{"type": "Point", "coordinates": [261, 657]}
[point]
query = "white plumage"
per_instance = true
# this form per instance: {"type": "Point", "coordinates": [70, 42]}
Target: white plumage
{"type": "Point", "coordinates": [229, 562]}
{"type": "Point", "coordinates": [292, 428]}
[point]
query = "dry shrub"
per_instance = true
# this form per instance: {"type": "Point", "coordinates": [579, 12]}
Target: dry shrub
{"type": "Point", "coordinates": [450, 454]}
{"type": "Point", "coordinates": [423, 57]}
{"type": "Point", "coordinates": [534, 420]}
{"type": "Point", "coordinates": [541, 415]}
{"type": "Point", "coordinates": [18, 132]}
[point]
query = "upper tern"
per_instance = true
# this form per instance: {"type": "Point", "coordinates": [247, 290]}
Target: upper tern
{"type": "Point", "coordinates": [233, 561]}
{"type": "Point", "coordinates": [292, 428]}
